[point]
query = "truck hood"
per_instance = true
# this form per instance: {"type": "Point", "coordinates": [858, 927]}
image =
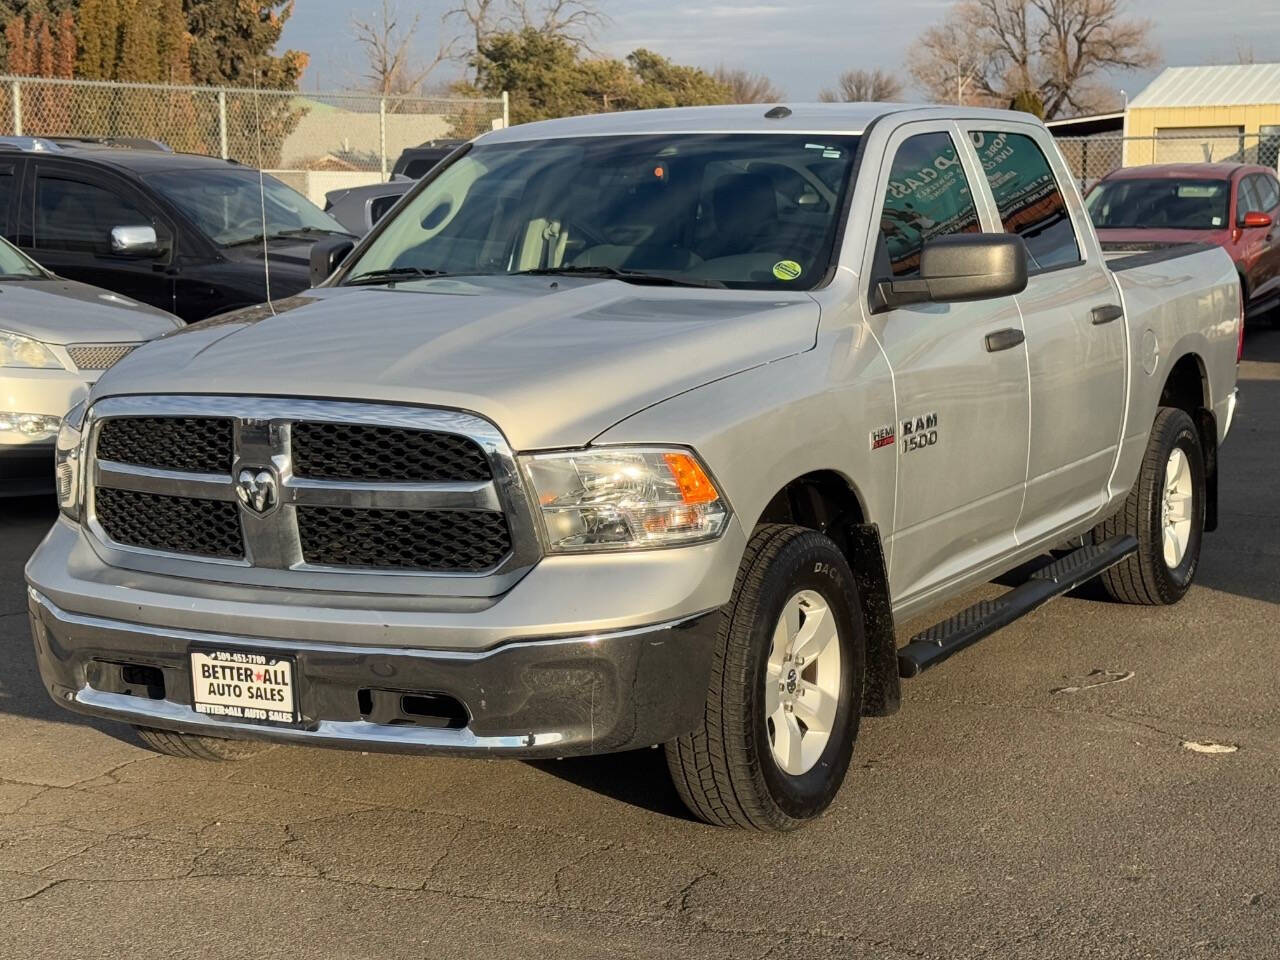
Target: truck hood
{"type": "Point", "coordinates": [553, 362]}
{"type": "Point", "coordinates": [63, 311]}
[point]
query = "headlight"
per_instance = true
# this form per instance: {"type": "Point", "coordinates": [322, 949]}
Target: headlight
{"type": "Point", "coordinates": [625, 498]}
{"type": "Point", "coordinates": [34, 426]}
{"type": "Point", "coordinates": [16, 351]}
{"type": "Point", "coordinates": [68, 461]}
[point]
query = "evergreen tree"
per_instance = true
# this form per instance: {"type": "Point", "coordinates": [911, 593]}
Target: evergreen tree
{"type": "Point", "coordinates": [99, 27]}
{"type": "Point", "coordinates": [140, 42]}
{"type": "Point", "coordinates": [233, 42]}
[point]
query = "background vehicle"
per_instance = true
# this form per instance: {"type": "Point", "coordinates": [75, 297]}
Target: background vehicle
{"type": "Point", "coordinates": [1231, 205]}
{"type": "Point", "coordinates": [653, 424]}
{"type": "Point", "coordinates": [359, 208]}
{"type": "Point", "coordinates": [181, 232]}
{"type": "Point", "coordinates": [56, 337]}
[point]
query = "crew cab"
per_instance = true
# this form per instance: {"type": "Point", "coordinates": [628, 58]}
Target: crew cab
{"type": "Point", "coordinates": [652, 426]}
{"type": "Point", "coordinates": [188, 234]}
{"type": "Point", "coordinates": [1231, 205]}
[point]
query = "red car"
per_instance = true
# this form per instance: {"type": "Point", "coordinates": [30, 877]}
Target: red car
{"type": "Point", "coordinates": [1231, 205]}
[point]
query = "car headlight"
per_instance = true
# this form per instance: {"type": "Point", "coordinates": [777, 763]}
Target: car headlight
{"type": "Point", "coordinates": [68, 461]}
{"type": "Point", "coordinates": [19, 351]}
{"type": "Point", "coordinates": [625, 498]}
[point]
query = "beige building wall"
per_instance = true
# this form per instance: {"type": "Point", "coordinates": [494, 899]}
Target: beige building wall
{"type": "Point", "coordinates": [1194, 121]}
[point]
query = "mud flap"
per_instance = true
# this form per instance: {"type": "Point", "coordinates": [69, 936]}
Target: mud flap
{"type": "Point", "coordinates": [882, 690]}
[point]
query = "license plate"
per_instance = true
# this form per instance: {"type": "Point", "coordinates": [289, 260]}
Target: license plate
{"type": "Point", "coordinates": [243, 686]}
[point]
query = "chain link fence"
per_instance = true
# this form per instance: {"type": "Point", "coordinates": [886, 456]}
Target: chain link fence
{"type": "Point", "coordinates": [1091, 158]}
{"type": "Point", "coordinates": [314, 141]}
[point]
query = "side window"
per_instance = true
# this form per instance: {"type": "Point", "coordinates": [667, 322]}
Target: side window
{"type": "Point", "coordinates": [73, 214]}
{"type": "Point", "coordinates": [1028, 197]}
{"type": "Point", "coordinates": [1268, 192]}
{"type": "Point", "coordinates": [6, 199]}
{"type": "Point", "coordinates": [928, 196]}
{"type": "Point", "coordinates": [1247, 199]}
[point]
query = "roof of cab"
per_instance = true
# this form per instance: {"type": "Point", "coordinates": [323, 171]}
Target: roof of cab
{"type": "Point", "coordinates": [1198, 171]}
{"type": "Point", "coordinates": [801, 118]}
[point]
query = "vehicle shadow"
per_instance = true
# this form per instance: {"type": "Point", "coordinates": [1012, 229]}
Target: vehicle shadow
{"type": "Point", "coordinates": [638, 778]}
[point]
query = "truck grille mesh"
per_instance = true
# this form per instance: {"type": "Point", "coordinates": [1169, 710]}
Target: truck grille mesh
{"type": "Point", "coordinates": [98, 356]}
{"type": "Point", "coordinates": [354, 451]}
{"type": "Point", "coordinates": [449, 541]}
{"type": "Point", "coordinates": [192, 444]}
{"type": "Point", "coordinates": [207, 528]}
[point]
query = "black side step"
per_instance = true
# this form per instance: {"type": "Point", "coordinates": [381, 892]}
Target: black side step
{"type": "Point", "coordinates": [983, 619]}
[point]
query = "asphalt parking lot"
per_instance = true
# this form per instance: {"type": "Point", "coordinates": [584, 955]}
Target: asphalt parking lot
{"type": "Point", "coordinates": [1037, 796]}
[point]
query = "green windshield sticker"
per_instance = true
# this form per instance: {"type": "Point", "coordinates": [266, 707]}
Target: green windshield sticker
{"type": "Point", "coordinates": [787, 270]}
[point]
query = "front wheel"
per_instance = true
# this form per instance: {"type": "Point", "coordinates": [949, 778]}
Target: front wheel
{"type": "Point", "coordinates": [785, 696]}
{"type": "Point", "coordinates": [1165, 512]}
{"type": "Point", "coordinates": [193, 746]}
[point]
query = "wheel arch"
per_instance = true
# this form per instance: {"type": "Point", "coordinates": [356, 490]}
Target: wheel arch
{"type": "Point", "coordinates": [828, 502]}
{"type": "Point", "coordinates": [1187, 388]}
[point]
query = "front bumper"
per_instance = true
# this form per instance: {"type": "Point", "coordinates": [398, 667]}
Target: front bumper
{"type": "Point", "coordinates": [538, 698]}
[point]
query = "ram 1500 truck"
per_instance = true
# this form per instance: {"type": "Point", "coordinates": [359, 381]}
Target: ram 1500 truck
{"type": "Point", "coordinates": [642, 429]}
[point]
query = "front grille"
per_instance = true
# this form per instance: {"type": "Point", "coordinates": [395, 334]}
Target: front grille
{"type": "Point", "coordinates": [449, 541]}
{"type": "Point", "coordinates": [362, 493]}
{"type": "Point", "coordinates": [357, 451]}
{"type": "Point", "coordinates": [205, 528]}
{"type": "Point", "coordinates": [191, 444]}
{"type": "Point", "coordinates": [98, 356]}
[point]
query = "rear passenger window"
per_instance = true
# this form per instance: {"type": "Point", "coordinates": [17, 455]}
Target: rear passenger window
{"type": "Point", "coordinates": [76, 215]}
{"type": "Point", "coordinates": [1268, 193]}
{"type": "Point", "coordinates": [928, 196]}
{"type": "Point", "coordinates": [1028, 197]}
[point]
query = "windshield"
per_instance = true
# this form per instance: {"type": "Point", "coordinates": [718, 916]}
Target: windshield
{"type": "Point", "coordinates": [1160, 203]}
{"type": "Point", "coordinates": [16, 265]}
{"type": "Point", "coordinates": [756, 211]}
{"type": "Point", "coordinates": [227, 205]}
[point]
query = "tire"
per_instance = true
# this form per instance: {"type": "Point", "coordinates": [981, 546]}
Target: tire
{"type": "Point", "coordinates": [191, 746]}
{"type": "Point", "coordinates": [726, 771]}
{"type": "Point", "coordinates": [1146, 577]}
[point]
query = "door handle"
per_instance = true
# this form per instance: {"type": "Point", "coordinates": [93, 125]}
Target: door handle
{"type": "Point", "coordinates": [1004, 339]}
{"type": "Point", "coordinates": [1106, 313]}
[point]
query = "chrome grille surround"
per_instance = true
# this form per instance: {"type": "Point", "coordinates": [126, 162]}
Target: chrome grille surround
{"type": "Point", "coordinates": [98, 356]}
{"type": "Point", "coordinates": [273, 547]}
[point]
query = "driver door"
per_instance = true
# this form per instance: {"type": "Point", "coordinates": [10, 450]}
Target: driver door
{"type": "Point", "coordinates": [72, 212]}
{"type": "Point", "coordinates": [960, 436]}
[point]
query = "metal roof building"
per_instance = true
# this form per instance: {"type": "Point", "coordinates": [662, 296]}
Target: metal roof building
{"type": "Point", "coordinates": [1206, 113]}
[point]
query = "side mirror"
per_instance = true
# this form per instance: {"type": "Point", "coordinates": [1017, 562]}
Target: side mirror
{"type": "Point", "coordinates": [326, 255]}
{"type": "Point", "coordinates": [1255, 219]}
{"type": "Point", "coordinates": [960, 268]}
{"type": "Point", "coordinates": [136, 241]}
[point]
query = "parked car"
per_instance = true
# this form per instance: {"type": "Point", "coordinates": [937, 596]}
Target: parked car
{"type": "Point", "coordinates": [56, 337]}
{"type": "Point", "coordinates": [641, 438]}
{"type": "Point", "coordinates": [416, 162]}
{"type": "Point", "coordinates": [359, 208]}
{"type": "Point", "coordinates": [181, 232]}
{"type": "Point", "coordinates": [1230, 205]}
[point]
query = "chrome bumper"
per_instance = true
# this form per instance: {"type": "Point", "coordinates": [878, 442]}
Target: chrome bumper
{"type": "Point", "coordinates": [538, 698]}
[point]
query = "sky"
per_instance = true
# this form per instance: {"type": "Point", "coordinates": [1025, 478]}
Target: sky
{"type": "Point", "coordinates": [801, 45]}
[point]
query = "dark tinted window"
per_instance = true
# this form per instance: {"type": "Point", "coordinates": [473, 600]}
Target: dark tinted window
{"type": "Point", "coordinates": [1247, 200]}
{"type": "Point", "coordinates": [1028, 197]}
{"type": "Point", "coordinates": [379, 206]}
{"type": "Point", "coordinates": [6, 198]}
{"type": "Point", "coordinates": [78, 215]}
{"type": "Point", "coordinates": [928, 196]}
{"type": "Point", "coordinates": [1159, 203]}
{"type": "Point", "coordinates": [419, 167]}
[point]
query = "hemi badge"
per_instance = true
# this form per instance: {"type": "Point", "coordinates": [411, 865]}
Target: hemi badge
{"type": "Point", "coordinates": [882, 437]}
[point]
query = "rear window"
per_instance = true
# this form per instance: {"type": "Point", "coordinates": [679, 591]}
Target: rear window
{"type": "Point", "coordinates": [1160, 203]}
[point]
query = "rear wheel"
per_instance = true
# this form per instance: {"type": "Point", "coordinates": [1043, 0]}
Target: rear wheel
{"type": "Point", "coordinates": [785, 697]}
{"type": "Point", "coordinates": [191, 746]}
{"type": "Point", "coordinates": [1165, 512]}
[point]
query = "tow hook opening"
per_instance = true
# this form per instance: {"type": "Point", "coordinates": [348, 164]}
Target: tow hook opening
{"type": "Point", "coordinates": [400, 708]}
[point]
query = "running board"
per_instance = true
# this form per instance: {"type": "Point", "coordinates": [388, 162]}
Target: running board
{"type": "Point", "coordinates": [983, 619]}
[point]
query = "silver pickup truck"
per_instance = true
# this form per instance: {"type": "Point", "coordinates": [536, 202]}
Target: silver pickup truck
{"type": "Point", "coordinates": [642, 429]}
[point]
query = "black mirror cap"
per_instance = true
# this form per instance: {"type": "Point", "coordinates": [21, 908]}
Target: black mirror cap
{"type": "Point", "coordinates": [327, 255]}
{"type": "Point", "coordinates": [974, 266]}
{"type": "Point", "coordinates": [959, 268]}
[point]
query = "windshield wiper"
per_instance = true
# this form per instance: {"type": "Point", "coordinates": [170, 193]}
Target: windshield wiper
{"type": "Point", "coordinates": [310, 232]}
{"type": "Point", "coordinates": [390, 275]}
{"type": "Point", "coordinates": [615, 273]}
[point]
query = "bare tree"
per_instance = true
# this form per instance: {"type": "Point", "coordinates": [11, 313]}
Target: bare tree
{"type": "Point", "coordinates": [387, 42]}
{"type": "Point", "coordinates": [949, 62]}
{"type": "Point", "coordinates": [1052, 51]}
{"type": "Point", "coordinates": [747, 87]}
{"type": "Point", "coordinates": [574, 20]}
{"type": "Point", "coordinates": [863, 85]}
